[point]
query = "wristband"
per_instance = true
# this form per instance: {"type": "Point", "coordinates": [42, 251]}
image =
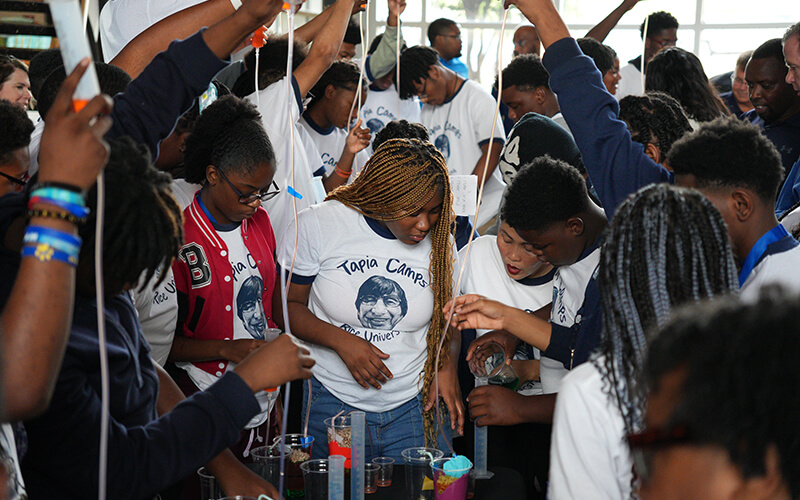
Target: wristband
{"type": "Point", "coordinates": [45, 253]}
{"type": "Point", "coordinates": [58, 194]}
{"type": "Point", "coordinates": [56, 214]}
{"type": "Point", "coordinates": [59, 240]}
{"type": "Point", "coordinates": [60, 185]}
{"type": "Point", "coordinates": [76, 210]}
{"type": "Point", "coordinates": [341, 173]}
{"type": "Point", "coordinates": [236, 4]}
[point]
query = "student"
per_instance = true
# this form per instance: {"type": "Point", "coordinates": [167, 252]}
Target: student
{"type": "Point", "coordinates": [606, 61]}
{"type": "Point", "coordinates": [563, 227]}
{"type": "Point", "coordinates": [738, 98]}
{"type": "Point", "coordinates": [146, 453]}
{"type": "Point", "coordinates": [655, 120]}
{"type": "Point", "coordinates": [739, 170]}
{"type": "Point", "coordinates": [229, 248]}
{"type": "Point", "coordinates": [790, 192]}
{"type": "Point", "coordinates": [719, 426]}
{"type": "Point", "coordinates": [387, 231]}
{"type": "Point", "coordinates": [680, 73]}
{"type": "Point", "coordinates": [352, 38]}
{"type": "Point", "coordinates": [662, 32]}
{"type": "Point", "coordinates": [664, 247]}
{"type": "Point", "coordinates": [734, 156]}
{"type": "Point", "coordinates": [777, 104]}
{"type": "Point", "coordinates": [505, 268]}
{"type": "Point", "coordinates": [328, 118]}
{"type": "Point", "coordinates": [36, 296]}
{"type": "Point", "coordinates": [526, 90]}
{"type": "Point", "coordinates": [458, 114]}
{"type": "Point", "coordinates": [526, 40]}
{"type": "Point", "coordinates": [14, 141]}
{"type": "Point", "coordinates": [383, 103]}
{"type": "Point", "coordinates": [15, 87]}
{"type": "Point", "coordinates": [445, 37]}
{"type": "Point", "coordinates": [282, 108]}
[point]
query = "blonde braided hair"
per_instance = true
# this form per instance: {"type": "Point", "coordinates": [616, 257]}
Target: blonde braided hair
{"type": "Point", "coordinates": [399, 179]}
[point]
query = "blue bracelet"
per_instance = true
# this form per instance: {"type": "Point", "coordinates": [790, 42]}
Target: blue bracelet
{"type": "Point", "coordinates": [45, 253]}
{"type": "Point", "coordinates": [78, 211]}
{"type": "Point", "coordinates": [58, 194]}
{"type": "Point", "coordinates": [59, 240]}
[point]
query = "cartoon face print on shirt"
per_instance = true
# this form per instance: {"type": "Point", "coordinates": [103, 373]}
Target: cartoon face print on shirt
{"type": "Point", "coordinates": [250, 306]}
{"type": "Point", "coordinates": [381, 303]}
{"type": "Point", "coordinates": [442, 143]}
{"type": "Point", "coordinates": [374, 125]}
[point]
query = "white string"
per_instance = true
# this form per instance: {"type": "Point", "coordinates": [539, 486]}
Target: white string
{"type": "Point", "coordinates": [397, 66]}
{"type": "Point", "coordinates": [101, 338]}
{"type": "Point", "coordinates": [258, 95]}
{"type": "Point", "coordinates": [644, 47]}
{"type": "Point", "coordinates": [290, 101]}
{"type": "Point", "coordinates": [477, 211]}
{"type": "Point", "coordinates": [361, 71]}
{"type": "Point", "coordinates": [85, 14]}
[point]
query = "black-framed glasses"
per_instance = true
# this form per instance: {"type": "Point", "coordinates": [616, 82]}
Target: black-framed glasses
{"type": "Point", "coordinates": [247, 199]}
{"type": "Point", "coordinates": [21, 182]}
{"type": "Point", "coordinates": [644, 444]}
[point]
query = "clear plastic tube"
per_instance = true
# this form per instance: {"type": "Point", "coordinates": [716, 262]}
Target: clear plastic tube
{"type": "Point", "coordinates": [358, 429]}
{"type": "Point", "coordinates": [336, 477]}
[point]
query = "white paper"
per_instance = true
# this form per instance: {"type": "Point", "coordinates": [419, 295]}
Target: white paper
{"type": "Point", "coordinates": [465, 194]}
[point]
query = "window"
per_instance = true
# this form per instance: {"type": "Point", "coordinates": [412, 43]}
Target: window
{"type": "Point", "coordinates": [716, 30]}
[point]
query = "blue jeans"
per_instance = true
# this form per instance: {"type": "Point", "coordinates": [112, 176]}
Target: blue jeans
{"type": "Point", "coordinates": [388, 433]}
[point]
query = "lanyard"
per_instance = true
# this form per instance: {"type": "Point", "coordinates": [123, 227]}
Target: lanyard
{"type": "Point", "coordinates": [757, 252]}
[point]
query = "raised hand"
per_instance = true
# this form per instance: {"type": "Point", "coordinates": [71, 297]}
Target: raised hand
{"type": "Point", "coordinates": [275, 363]}
{"type": "Point", "coordinates": [73, 150]}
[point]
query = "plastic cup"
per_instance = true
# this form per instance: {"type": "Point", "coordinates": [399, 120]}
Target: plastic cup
{"type": "Point", "coordinates": [339, 437]}
{"type": "Point", "coordinates": [209, 487]}
{"type": "Point", "coordinates": [471, 487]}
{"type": "Point", "coordinates": [371, 478]}
{"type": "Point", "coordinates": [451, 484]}
{"type": "Point", "coordinates": [267, 463]}
{"type": "Point", "coordinates": [386, 468]}
{"type": "Point", "coordinates": [419, 477]}
{"type": "Point", "coordinates": [315, 477]}
{"type": "Point", "coordinates": [298, 450]}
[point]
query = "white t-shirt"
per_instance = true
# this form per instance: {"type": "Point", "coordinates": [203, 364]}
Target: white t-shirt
{"type": "Point", "coordinates": [279, 113]}
{"type": "Point", "coordinates": [158, 313]}
{"type": "Point", "coordinates": [8, 448]}
{"type": "Point", "coordinates": [631, 82]}
{"type": "Point", "coordinates": [34, 146]}
{"type": "Point", "coordinates": [383, 106]}
{"type": "Point", "coordinates": [569, 288]}
{"type": "Point", "coordinates": [330, 143]}
{"type": "Point", "coordinates": [157, 307]}
{"type": "Point", "coordinates": [122, 20]}
{"type": "Point", "coordinates": [369, 284]}
{"type": "Point", "coordinates": [559, 118]}
{"type": "Point", "coordinates": [485, 274]}
{"type": "Point", "coordinates": [589, 457]}
{"type": "Point", "coordinates": [781, 268]}
{"type": "Point", "coordinates": [248, 289]}
{"type": "Point", "coordinates": [458, 128]}
{"type": "Point", "coordinates": [791, 220]}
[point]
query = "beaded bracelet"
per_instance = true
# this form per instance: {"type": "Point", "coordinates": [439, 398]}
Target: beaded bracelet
{"type": "Point", "coordinates": [45, 253]}
{"type": "Point", "coordinates": [60, 185]}
{"type": "Point", "coordinates": [76, 210]}
{"type": "Point", "coordinates": [58, 194]}
{"type": "Point", "coordinates": [59, 240]}
{"type": "Point", "coordinates": [56, 214]}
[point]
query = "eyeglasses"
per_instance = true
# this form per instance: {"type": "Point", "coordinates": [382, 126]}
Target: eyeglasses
{"type": "Point", "coordinates": [664, 42]}
{"type": "Point", "coordinates": [644, 444]}
{"type": "Point", "coordinates": [423, 93]}
{"type": "Point", "coordinates": [247, 199]}
{"type": "Point", "coordinates": [13, 179]}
